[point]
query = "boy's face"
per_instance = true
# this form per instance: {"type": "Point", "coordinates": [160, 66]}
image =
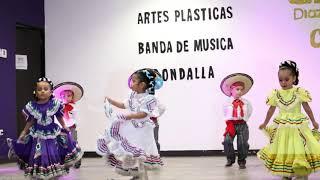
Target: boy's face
{"type": "Point", "coordinates": [66, 96]}
{"type": "Point", "coordinates": [236, 91]}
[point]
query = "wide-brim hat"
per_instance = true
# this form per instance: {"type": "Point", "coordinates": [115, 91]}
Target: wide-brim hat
{"type": "Point", "coordinates": [233, 78]}
{"type": "Point", "coordinates": [72, 86]}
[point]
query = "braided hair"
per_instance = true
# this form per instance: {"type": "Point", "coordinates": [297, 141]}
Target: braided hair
{"type": "Point", "coordinates": [147, 76]}
{"type": "Point", "coordinates": [292, 66]}
{"type": "Point", "coordinates": [43, 79]}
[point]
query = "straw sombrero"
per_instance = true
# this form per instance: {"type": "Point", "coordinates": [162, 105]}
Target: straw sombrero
{"type": "Point", "coordinates": [72, 86]}
{"type": "Point", "coordinates": [236, 77]}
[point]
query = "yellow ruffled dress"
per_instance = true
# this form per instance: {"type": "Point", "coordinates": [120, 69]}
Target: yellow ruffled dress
{"type": "Point", "coordinates": [294, 149]}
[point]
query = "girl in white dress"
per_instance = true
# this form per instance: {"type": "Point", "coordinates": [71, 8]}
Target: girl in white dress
{"type": "Point", "coordinates": [128, 143]}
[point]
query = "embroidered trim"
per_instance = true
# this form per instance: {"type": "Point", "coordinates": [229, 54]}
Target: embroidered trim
{"type": "Point", "coordinates": [286, 103]}
{"type": "Point", "coordinates": [38, 116]}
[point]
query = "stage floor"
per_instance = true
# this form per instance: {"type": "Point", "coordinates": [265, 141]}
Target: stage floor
{"type": "Point", "coordinates": [175, 168]}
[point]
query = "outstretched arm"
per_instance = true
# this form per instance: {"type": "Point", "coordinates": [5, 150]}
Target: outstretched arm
{"type": "Point", "coordinates": [26, 129]}
{"type": "Point", "coordinates": [115, 103]}
{"type": "Point", "coordinates": [268, 117]}
{"type": "Point", "coordinates": [308, 110]}
{"type": "Point", "coordinates": [138, 115]}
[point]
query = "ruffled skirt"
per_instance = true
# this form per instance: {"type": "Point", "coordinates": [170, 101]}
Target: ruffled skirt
{"type": "Point", "coordinates": [127, 143]}
{"type": "Point", "coordinates": [294, 150]}
{"type": "Point", "coordinates": [45, 158]}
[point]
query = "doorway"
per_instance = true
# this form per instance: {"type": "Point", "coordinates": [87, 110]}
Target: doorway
{"type": "Point", "coordinates": [30, 43]}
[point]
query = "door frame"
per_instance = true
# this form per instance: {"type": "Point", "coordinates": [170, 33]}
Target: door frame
{"type": "Point", "coordinates": [20, 26]}
{"type": "Point", "coordinates": [42, 33]}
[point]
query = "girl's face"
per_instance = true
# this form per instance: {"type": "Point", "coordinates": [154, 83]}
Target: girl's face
{"type": "Point", "coordinates": [66, 96]}
{"type": "Point", "coordinates": [286, 79]}
{"type": "Point", "coordinates": [43, 91]}
{"type": "Point", "coordinates": [136, 85]}
{"type": "Point", "coordinates": [236, 91]}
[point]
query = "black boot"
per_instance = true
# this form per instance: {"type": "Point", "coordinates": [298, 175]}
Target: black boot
{"type": "Point", "coordinates": [229, 163]}
{"type": "Point", "coordinates": [242, 165]}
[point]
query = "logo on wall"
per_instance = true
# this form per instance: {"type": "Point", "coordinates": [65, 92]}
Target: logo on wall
{"type": "Point", "coordinates": [3, 53]}
{"type": "Point", "coordinates": [308, 13]}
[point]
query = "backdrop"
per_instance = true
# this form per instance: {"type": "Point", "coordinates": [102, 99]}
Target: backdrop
{"type": "Point", "coordinates": [194, 44]}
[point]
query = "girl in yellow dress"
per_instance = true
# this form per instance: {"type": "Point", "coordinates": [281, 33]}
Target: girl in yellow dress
{"type": "Point", "coordinates": [293, 149]}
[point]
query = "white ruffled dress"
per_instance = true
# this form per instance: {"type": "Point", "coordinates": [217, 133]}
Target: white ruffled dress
{"type": "Point", "coordinates": [126, 143]}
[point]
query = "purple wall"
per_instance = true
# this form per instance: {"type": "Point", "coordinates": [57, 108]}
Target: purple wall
{"type": "Point", "coordinates": [30, 12]}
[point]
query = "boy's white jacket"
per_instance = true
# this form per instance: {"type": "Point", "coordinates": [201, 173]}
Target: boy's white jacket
{"type": "Point", "coordinates": [228, 110]}
{"type": "Point", "coordinates": [73, 117]}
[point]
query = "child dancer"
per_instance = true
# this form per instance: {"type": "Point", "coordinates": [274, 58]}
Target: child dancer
{"type": "Point", "coordinates": [293, 150]}
{"type": "Point", "coordinates": [129, 143]}
{"type": "Point", "coordinates": [70, 93]}
{"type": "Point", "coordinates": [237, 111]}
{"type": "Point", "coordinates": [158, 85]}
{"type": "Point", "coordinates": [43, 149]}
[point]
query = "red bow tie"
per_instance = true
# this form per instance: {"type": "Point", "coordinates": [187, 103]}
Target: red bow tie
{"type": "Point", "coordinates": [67, 108]}
{"type": "Point", "coordinates": [236, 103]}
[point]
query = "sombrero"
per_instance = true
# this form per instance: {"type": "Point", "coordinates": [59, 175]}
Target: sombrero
{"type": "Point", "coordinates": [233, 78]}
{"type": "Point", "coordinates": [72, 86]}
